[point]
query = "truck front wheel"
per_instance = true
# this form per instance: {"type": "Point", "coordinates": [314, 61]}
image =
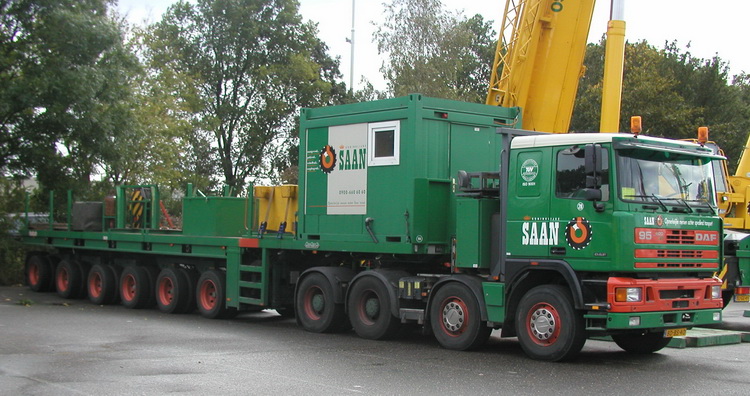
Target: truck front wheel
{"type": "Point", "coordinates": [317, 311]}
{"type": "Point", "coordinates": [547, 324]}
{"type": "Point", "coordinates": [641, 343]}
{"type": "Point", "coordinates": [455, 318]}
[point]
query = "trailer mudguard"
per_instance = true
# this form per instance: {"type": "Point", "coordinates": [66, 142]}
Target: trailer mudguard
{"type": "Point", "coordinates": [340, 279]}
{"type": "Point", "coordinates": [474, 283]}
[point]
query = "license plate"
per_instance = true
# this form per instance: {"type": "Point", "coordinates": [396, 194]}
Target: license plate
{"type": "Point", "coordinates": [675, 332]}
{"type": "Point", "coordinates": [744, 298]}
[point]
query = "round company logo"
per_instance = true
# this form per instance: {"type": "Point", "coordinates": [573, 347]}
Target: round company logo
{"type": "Point", "coordinates": [529, 170]}
{"type": "Point", "coordinates": [327, 159]}
{"type": "Point", "coordinates": [659, 220]}
{"type": "Point", "coordinates": [578, 233]}
{"type": "Point", "coordinates": [580, 206]}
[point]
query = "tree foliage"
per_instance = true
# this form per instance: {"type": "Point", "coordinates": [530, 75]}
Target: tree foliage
{"type": "Point", "coordinates": [673, 91]}
{"type": "Point", "coordinates": [64, 74]}
{"type": "Point", "coordinates": [435, 52]}
{"type": "Point", "coordinates": [242, 69]}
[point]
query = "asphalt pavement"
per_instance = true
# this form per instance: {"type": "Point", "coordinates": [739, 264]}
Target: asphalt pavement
{"type": "Point", "coordinates": [52, 346]}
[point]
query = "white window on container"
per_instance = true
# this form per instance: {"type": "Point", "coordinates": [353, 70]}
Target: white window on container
{"type": "Point", "coordinates": [383, 143]}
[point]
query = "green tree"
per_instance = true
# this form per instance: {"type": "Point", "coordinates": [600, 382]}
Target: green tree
{"type": "Point", "coordinates": [435, 52]}
{"type": "Point", "coordinates": [251, 65]}
{"type": "Point", "coordinates": [65, 76]}
{"type": "Point", "coordinates": [672, 90]}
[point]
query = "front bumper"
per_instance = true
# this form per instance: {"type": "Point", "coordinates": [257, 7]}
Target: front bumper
{"type": "Point", "coordinates": [657, 320]}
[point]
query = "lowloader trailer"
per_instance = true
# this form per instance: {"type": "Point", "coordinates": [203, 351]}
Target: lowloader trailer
{"type": "Point", "coordinates": [426, 212]}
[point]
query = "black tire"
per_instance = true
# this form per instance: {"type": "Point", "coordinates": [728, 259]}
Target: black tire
{"type": "Point", "coordinates": [102, 285]}
{"type": "Point", "coordinates": [286, 312]}
{"type": "Point", "coordinates": [192, 283]}
{"type": "Point", "coordinates": [726, 297]}
{"type": "Point", "coordinates": [641, 343]}
{"type": "Point", "coordinates": [369, 307]}
{"type": "Point", "coordinates": [211, 296]}
{"type": "Point", "coordinates": [136, 288]}
{"type": "Point", "coordinates": [456, 320]}
{"type": "Point", "coordinates": [173, 291]}
{"type": "Point", "coordinates": [39, 273]}
{"type": "Point", "coordinates": [70, 279]}
{"type": "Point", "coordinates": [315, 308]}
{"type": "Point", "coordinates": [547, 324]}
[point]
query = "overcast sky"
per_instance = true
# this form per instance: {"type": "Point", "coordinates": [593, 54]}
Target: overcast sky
{"type": "Point", "coordinates": [710, 27]}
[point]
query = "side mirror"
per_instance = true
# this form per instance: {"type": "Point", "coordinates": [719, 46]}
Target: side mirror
{"type": "Point", "coordinates": [592, 194]}
{"type": "Point", "coordinates": [593, 165]}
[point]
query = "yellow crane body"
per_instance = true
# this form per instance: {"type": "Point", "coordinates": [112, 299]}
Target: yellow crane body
{"type": "Point", "coordinates": [539, 60]}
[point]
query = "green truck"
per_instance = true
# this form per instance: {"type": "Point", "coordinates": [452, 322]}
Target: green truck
{"type": "Point", "coordinates": [417, 211]}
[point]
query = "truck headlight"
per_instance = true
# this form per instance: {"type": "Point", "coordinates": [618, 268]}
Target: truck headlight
{"type": "Point", "coordinates": [628, 294]}
{"type": "Point", "coordinates": [716, 292]}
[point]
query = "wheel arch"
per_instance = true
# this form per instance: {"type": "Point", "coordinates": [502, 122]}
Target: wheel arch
{"type": "Point", "coordinates": [473, 283]}
{"type": "Point", "coordinates": [339, 278]}
{"type": "Point", "coordinates": [388, 277]}
{"type": "Point", "coordinates": [544, 273]}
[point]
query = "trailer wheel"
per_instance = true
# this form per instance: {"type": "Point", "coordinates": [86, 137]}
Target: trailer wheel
{"type": "Point", "coordinates": [455, 318]}
{"type": "Point", "coordinates": [369, 309]}
{"type": "Point", "coordinates": [641, 343]}
{"type": "Point", "coordinates": [39, 274]}
{"type": "Point", "coordinates": [547, 324]}
{"type": "Point", "coordinates": [211, 295]}
{"type": "Point", "coordinates": [102, 285]}
{"type": "Point", "coordinates": [136, 288]}
{"type": "Point", "coordinates": [315, 308]}
{"type": "Point", "coordinates": [173, 291]}
{"type": "Point", "coordinates": [69, 279]}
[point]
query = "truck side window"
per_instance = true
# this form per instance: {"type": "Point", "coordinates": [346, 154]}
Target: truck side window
{"type": "Point", "coordinates": [383, 141]}
{"type": "Point", "coordinates": [570, 177]}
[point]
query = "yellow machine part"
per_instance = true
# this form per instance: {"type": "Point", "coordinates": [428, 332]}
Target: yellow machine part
{"type": "Point", "coordinates": [276, 204]}
{"type": "Point", "coordinates": [539, 60]}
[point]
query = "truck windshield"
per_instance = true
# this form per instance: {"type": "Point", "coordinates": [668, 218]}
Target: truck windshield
{"type": "Point", "coordinates": [665, 178]}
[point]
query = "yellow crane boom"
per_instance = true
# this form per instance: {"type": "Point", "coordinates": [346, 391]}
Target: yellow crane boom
{"type": "Point", "coordinates": [539, 60]}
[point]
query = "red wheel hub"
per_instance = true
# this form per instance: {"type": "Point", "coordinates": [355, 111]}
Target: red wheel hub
{"type": "Point", "coordinates": [314, 303]}
{"type": "Point", "coordinates": [95, 284]}
{"type": "Point", "coordinates": [128, 287]}
{"type": "Point", "coordinates": [454, 316]}
{"type": "Point", "coordinates": [34, 274]}
{"type": "Point", "coordinates": [62, 279]}
{"type": "Point", "coordinates": [208, 295]}
{"type": "Point", "coordinates": [166, 291]}
{"type": "Point", "coordinates": [543, 324]}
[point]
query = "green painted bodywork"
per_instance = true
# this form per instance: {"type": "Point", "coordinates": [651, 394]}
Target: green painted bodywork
{"type": "Point", "coordinates": [437, 138]}
{"type": "Point", "coordinates": [353, 200]}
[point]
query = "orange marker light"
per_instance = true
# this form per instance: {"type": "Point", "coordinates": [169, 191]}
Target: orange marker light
{"type": "Point", "coordinates": [702, 135]}
{"type": "Point", "coordinates": [635, 125]}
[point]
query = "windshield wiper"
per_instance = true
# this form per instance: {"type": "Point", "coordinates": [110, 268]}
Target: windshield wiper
{"type": "Point", "coordinates": [688, 208]}
{"type": "Point", "coordinates": [701, 209]}
{"type": "Point", "coordinates": [652, 197]}
{"type": "Point", "coordinates": [657, 199]}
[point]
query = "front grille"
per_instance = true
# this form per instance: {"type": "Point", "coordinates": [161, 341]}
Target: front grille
{"type": "Point", "coordinates": [674, 294]}
{"type": "Point", "coordinates": [680, 237]}
{"type": "Point", "coordinates": [678, 265]}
